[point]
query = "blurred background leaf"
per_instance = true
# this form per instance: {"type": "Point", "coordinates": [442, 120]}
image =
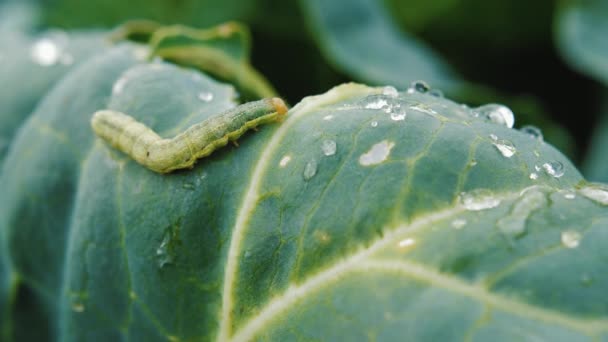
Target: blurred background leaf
{"type": "Point", "coordinates": [581, 33]}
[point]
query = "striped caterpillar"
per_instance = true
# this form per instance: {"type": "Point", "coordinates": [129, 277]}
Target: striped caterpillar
{"type": "Point", "coordinates": [200, 140]}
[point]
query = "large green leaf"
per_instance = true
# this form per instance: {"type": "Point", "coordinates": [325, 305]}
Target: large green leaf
{"type": "Point", "coordinates": [581, 27]}
{"type": "Point", "coordinates": [30, 66]}
{"type": "Point", "coordinates": [365, 215]}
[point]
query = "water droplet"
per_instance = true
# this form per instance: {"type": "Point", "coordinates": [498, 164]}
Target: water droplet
{"type": "Point", "coordinates": [45, 52]}
{"type": "Point", "coordinates": [537, 168]}
{"type": "Point", "coordinates": [505, 147]}
{"type": "Point", "coordinates": [407, 242]}
{"type": "Point", "coordinates": [554, 169]}
{"type": "Point", "coordinates": [390, 91]}
{"type": "Point", "coordinates": [163, 254]}
{"type": "Point", "coordinates": [478, 199]}
{"type": "Point", "coordinates": [310, 170]}
{"type": "Point", "coordinates": [436, 93]}
{"type": "Point", "coordinates": [596, 192]}
{"type": "Point", "coordinates": [377, 153]}
{"type": "Point", "coordinates": [568, 194]}
{"type": "Point", "coordinates": [533, 176]}
{"type": "Point", "coordinates": [473, 162]}
{"type": "Point", "coordinates": [328, 117]}
{"type": "Point", "coordinates": [418, 86]}
{"type": "Point", "coordinates": [205, 96]}
{"type": "Point", "coordinates": [374, 123]}
{"type": "Point", "coordinates": [493, 137]}
{"type": "Point", "coordinates": [459, 223]}
{"type": "Point", "coordinates": [78, 307]}
{"type": "Point", "coordinates": [514, 224]}
{"type": "Point", "coordinates": [328, 147]}
{"type": "Point", "coordinates": [532, 131]}
{"type": "Point", "coordinates": [398, 115]}
{"type": "Point", "coordinates": [571, 238]}
{"type": "Point", "coordinates": [284, 161]}
{"type": "Point", "coordinates": [496, 113]}
{"type": "Point", "coordinates": [119, 85]}
{"type": "Point", "coordinates": [376, 103]}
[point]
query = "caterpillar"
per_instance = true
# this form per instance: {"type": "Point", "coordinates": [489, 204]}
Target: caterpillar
{"type": "Point", "coordinates": [200, 140]}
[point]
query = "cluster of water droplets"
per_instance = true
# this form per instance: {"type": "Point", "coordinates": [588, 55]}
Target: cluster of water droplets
{"type": "Point", "coordinates": [388, 103]}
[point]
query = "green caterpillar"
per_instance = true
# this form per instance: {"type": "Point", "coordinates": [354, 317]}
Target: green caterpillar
{"type": "Point", "coordinates": [200, 140]}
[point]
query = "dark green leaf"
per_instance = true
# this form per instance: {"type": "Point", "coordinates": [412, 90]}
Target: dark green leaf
{"type": "Point", "coordinates": [581, 31]}
{"type": "Point", "coordinates": [360, 39]}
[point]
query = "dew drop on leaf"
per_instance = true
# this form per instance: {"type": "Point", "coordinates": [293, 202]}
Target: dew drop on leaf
{"type": "Point", "coordinates": [377, 153]}
{"type": "Point", "coordinates": [328, 117]}
{"type": "Point", "coordinates": [568, 194]}
{"type": "Point", "coordinates": [418, 87]}
{"type": "Point", "coordinates": [533, 176]}
{"type": "Point", "coordinates": [163, 253]}
{"type": "Point", "coordinates": [375, 103]}
{"type": "Point", "coordinates": [514, 224]}
{"type": "Point", "coordinates": [478, 199]}
{"type": "Point", "coordinates": [310, 170]}
{"type": "Point", "coordinates": [532, 131]}
{"type": "Point", "coordinates": [205, 96]}
{"type": "Point", "coordinates": [119, 85]}
{"type": "Point", "coordinates": [554, 169]}
{"type": "Point", "coordinates": [374, 124]}
{"type": "Point", "coordinates": [398, 115]}
{"type": "Point", "coordinates": [45, 52]}
{"type": "Point", "coordinates": [285, 160]}
{"type": "Point", "coordinates": [390, 91]}
{"type": "Point", "coordinates": [596, 192]}
{"type": "Point", "coordinates": [505, 147]}
{"type": "Point", "coordinates": [407, 242]}
{"type": "Point", "coordinates": [328, 147]}
{"type": "Point", "coordinates": [571, 238]}
{"type": "Point", "coordinates": [496, 113]}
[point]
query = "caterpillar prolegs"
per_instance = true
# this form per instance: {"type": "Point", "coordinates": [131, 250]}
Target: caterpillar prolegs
{"type": "Point", "coordinates": [200, 140]}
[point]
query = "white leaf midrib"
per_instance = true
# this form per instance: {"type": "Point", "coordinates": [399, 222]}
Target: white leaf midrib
{"type": "Point", "coordinates": [251, 195]}
{"type": "Point", "coordinates": [362, 261]}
